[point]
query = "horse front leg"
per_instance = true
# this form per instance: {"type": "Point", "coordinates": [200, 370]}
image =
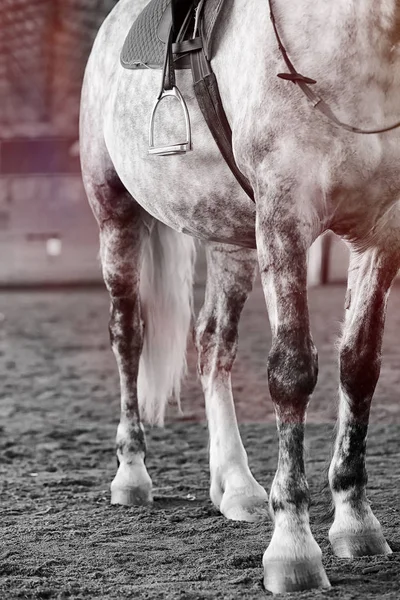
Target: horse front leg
{"type": "Point", "coordinates": [355, 530]}
{"type": "Point", "coordinates": [292, 560]}
{"type": "Point", "coordinates": [230, 276]}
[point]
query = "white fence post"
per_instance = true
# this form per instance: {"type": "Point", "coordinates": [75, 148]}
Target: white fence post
{"type": "Point", "coordinates": [318, 260]}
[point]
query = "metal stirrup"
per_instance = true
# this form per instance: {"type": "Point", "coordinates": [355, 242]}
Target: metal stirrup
{"type": "Point", "coordinates": [169, 88]}
{"type": "Point", "coordinates": [179, 148]}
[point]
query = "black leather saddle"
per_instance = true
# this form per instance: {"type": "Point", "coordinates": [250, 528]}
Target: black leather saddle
{"type": "Point", "coordinates": [178, 34]}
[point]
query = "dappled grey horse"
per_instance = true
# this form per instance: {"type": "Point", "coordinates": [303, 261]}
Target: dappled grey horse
{"type": "Point", "coordinates": [309, 174]}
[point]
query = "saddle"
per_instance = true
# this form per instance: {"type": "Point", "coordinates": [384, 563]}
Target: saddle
{"type": "Point", "coordinates": [178, 34]}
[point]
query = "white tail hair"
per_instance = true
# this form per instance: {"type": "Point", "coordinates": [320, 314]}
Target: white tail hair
{"type": "Point", "coordinates": [166, 298]}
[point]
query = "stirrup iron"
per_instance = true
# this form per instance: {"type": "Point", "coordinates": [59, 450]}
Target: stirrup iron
{"type": "Point", "coordinates": [180, 148]}
{"type": "Point", "coordinates": [169, 88]}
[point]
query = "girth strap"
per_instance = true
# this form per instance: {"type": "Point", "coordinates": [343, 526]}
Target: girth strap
{"type": "Point", "coordinates": [187, 46]}
{"type": "Point", "coordinates": [209, 100]}
{"type": "Point", "coordinates": [168, 75]}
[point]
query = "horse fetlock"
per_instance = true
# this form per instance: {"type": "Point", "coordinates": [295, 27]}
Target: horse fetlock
{"type": "Point", "coordinates": [132, 485]}
{"type": "Point", "coordinates": [293, 560]}
{"type": "Point", "coordinates": [130, 441]}
{"type": "Point", "coordinates": [289, 494]}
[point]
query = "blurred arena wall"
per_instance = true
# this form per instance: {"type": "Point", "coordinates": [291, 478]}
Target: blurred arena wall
{"type": "Point", "coordinates": [47, 231]}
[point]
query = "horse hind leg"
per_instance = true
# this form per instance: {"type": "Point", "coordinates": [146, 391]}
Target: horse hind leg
{"type": "Point", "coordinates": [122, 237]}
{"type": "Point", "coordinates": [230, 276]}
{"type": "Point", "coordinates": [148, 270]}
{"type": "Point", "coordinates": [355, 530]}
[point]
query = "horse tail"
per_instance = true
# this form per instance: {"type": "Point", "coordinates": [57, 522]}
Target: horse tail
{"type": "Point", "coordinates": [166, 299]}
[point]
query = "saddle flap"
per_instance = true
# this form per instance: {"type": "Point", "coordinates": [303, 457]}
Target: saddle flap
{"type": "Point", "coordinates": [165, 24]}
{"type": "Point", "coordinates": [143, 46]}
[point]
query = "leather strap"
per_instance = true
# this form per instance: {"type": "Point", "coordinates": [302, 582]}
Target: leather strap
{"type": "Point", "coordinates": [210, 103]}
{"type": "Point", "coordinates": [317, 102]}
{"type": "Point", "coordinates": [168, 74]}
{"type": "Point", "coordinates": [187, 46]}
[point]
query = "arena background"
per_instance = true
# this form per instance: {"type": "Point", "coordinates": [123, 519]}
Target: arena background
{"type": "Point", "coordinates": [59, 404]}
{"type": "Point", "coordinates": [47, 232]}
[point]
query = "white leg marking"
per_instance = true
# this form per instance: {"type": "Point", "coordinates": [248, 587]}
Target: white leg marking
{"type": "Point", "coordinates": [132, 483]}
{"type": "Point", "coordinates": [233, 488]}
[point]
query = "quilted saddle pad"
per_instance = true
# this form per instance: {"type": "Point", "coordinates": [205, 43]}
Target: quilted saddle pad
{"type": "Point", "coordinates": [143, 47]}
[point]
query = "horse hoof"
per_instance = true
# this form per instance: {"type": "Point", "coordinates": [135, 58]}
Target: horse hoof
{"type": "Point", "coordinates": [132, 485]}
{"type": "Point", "coordinates": [245, 508]}
{"type": "Point", "coordinates": [281, 577]}
{"type": "Point", "coordinates": [134, 496]}
{"type": "Point", "coordinates": [351, 545]}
